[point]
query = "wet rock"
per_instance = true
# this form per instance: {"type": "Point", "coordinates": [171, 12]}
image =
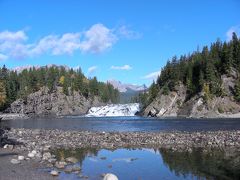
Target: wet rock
{"type": "Point", "coordinates": [76, 168]}
{"type": "Point", "coordinates": [60, 164]}
{"type": "Point", "coordinates": [110, 176]}
{"type": "Point", "coordinates": [68, 169]}
{"type": "Point", "coordinates": [54, 173]}
{"type": "Point", "coordinates": [72, 160]}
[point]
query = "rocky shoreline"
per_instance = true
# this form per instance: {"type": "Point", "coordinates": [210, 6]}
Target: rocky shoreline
{"type": "Point", "coordinates": [39, 145]}
{"type": "Point", "coordinates": [35, 139]}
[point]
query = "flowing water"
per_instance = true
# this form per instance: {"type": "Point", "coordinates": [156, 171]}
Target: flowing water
{"type": "Point", "coordinates": [125, 124]}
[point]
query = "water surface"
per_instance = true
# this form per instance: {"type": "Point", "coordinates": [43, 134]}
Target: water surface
{"type": "Point", "coordinates": [145, 164]}
{"type": "Point", "coordinates": [125, 124]}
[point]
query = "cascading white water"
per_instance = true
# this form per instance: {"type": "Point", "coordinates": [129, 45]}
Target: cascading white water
{"type": "Point", "coordinates": [114, 110]}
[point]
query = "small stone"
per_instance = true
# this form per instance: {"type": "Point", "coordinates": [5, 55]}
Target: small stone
{"type": "Point", "coordinates": [15, 161]}
{"type": "Point", "coordinates": [34, 152]}
{"type": "Point", "coordinates": [72, 160]}
{"type": "Point", "coordinates": [46, 148]}
{"type": "Point", "coordinates": [110, 176]}
{"type": "Point", "coordinates": [60, 164]}
{"type": "Point", "coordinates": [76, 168]}
{"type": "Point", "coordinates": [46, 156]}
{"type": "Point", "coordinates": [5, 146]}
{"type": "Point", "coordinates": [68, 169]}
{"type": "Point", "coordinates": [31, 155]}
{"type": "Point", "coordinates": [54, 173]}
{"type": "Point", "coordinates": [21, 158]}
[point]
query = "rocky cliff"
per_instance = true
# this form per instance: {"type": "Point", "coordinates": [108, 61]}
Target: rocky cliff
{"type": "Point", "coordinates": [176, 103]}
{"type": "Point", "coordinates": [44, 102]}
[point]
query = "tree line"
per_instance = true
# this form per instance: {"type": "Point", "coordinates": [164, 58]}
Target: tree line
{"type": "Point", "coordinates": [199, 71]}
{"type": "Point", "coordinates": [14, 85]}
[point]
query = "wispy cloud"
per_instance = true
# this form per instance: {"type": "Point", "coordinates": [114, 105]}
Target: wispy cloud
{"type": "Point", "coordinates": [97, 39]}
{"type": "Point", "coordinates": [3, 57]}
{"type": "Point", "coordinates": [124, 67]}
{"type": "Point", "coordinates": [235, 29]}
{"type": "Point", "coordinates": [92, 69]}
{"type": "Point", "coordinates": [124, 31]}
{"type": "Point", "coordinates": [152, 75]}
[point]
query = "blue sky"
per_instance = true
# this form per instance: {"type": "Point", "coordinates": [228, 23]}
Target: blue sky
{"type": "Point", "coordinates": [125, 40]}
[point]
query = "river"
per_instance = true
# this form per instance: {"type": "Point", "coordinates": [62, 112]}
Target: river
{"type": "Point", "coordinates": [122, 124]}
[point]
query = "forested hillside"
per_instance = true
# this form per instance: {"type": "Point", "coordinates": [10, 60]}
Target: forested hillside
{"type": "Point", "coordinates": [201, 72]}
{"type": "Point", "coordinates": [15, 85]}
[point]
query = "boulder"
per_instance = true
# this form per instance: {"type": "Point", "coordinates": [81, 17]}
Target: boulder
{"type": "Point", "coordinates": [110, 176]}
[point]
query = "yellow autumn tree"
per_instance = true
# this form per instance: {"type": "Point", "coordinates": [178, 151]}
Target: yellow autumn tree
{"type": "Point", "coordinates": [61, 80]}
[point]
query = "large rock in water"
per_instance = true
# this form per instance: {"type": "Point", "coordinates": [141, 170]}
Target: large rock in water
{"type": "Point", "coordinates": [44, 102]}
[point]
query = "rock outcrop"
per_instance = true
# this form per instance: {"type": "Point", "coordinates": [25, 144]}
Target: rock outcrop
{"type": "Point", "coordinates": [44, 102]}
{"type": "Point", "coordinates": [178, 104]}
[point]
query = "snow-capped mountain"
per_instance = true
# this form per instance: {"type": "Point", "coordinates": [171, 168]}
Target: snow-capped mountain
{"type": "Point", "coordinates": [125, 87]}
{"type": "Point", "coordinates": [114, 110]}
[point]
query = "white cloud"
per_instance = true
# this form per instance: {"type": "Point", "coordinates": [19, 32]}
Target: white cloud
{"type": "Point", "coordinates": [235, 29]}
{"type": "Point", "coordinates": [13, 36]}
{"type": "Point", "coordinates": [92, 69]}
{"type": "Point", "coordinates": [152, 76]}
{"type": "Point", "coordinates": [124, 31]}
{"type": "Point", "coordinates": [125, 67]}
{"type": "Point", "coordinates": [3, 57]}
{"type": "Point", "coordinates": [58, 45]}
{"type": "Point", "coordinates": [96, 39]}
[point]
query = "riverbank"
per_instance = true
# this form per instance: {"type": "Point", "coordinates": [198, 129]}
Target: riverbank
{"type": "Point", "coordinates": [38, 138]}
{"type": "Point", "coordinates": [38, 147]}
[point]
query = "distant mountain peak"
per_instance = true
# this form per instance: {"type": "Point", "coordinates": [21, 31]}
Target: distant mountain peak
{"type": "Point", "coordinates": [122, 87]}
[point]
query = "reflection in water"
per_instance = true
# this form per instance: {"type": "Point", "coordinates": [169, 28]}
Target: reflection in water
{"type": "Point", "coordinates": [155, 163]}
{"type": "Point", "coordinates": [215, 164]}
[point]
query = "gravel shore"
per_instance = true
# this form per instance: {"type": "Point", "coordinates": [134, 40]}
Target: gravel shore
{"type": "Point", "coordinates": [38, 146]}
{"type": "Point", "coordinates": [81, 139]}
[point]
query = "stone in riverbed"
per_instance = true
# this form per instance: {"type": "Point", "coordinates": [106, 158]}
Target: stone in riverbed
{"type": "Point", "coordinates": [46, 156]}
{"type": "Point", "coordinates": [76, 168]}
{"type": "Point", "coordinates": [54, 173]}
{"type": "Point", "coordinates": [15, 161]}
{"type": "Point", "coordinates": [68, 169]}
{"type": "Point", "coordinates": [110, 176]}
{"type": "Point", "coordinates": [21, 158]}
{"type": "Point", "coordinates": [31, 155]}
{"type": "Point", "coordinates": [60, 164]}
{"type": "Point", "coordinates": [72, 160]}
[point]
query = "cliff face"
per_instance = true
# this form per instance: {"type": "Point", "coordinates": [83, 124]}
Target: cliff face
{"type": "Point", "coordinates": [57, 103]}
{"type": "Point", "coordinates": [177, 104]}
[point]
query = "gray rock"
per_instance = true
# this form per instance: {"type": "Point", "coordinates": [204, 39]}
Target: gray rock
{"type": "Point", "coordinates": [44, 102]}
{"type": "Point", "coordinates": [15, 161]}
{"type": "Point", "coordinates": [72, 159]}
{"type": "Point", "coordinates": [46, 156]}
